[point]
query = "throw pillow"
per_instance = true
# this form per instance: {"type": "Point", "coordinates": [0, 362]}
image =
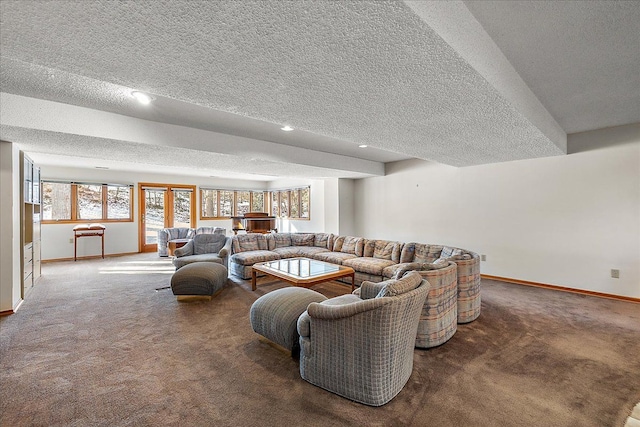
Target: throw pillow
{"type": "Point", "coordinates": [302, 239]}
{"type": "Point", "coordinates": [448, 252]}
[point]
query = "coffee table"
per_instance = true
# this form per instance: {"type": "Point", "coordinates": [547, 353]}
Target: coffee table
{"type": "Point", "coordinates": [302, 272]}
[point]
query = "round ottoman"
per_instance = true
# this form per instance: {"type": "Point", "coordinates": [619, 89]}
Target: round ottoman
{"type": "Point", "coordinates": [275, 315]}
{"type": "Point", "coordinates": [198, 280]}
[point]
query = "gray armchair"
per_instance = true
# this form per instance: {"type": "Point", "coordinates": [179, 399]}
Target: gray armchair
{"type": "Point", "coordinates": [362, 348]}
{"type": "Point", "coordinates": [204, 247]}
{"type": "Point", "coordinates": [167, 234]}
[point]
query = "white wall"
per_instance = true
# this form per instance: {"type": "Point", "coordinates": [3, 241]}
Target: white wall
{"type": "Point", "coordinates": [564, 221]}
{"type": "Point", "coordinates": [10, 280]}
{"type": "Point", "coordinates": [331, 206]}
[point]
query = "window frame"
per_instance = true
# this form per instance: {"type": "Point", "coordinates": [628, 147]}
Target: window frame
{"type": "Point", "coordinates": [234, 205]}
{"type": "Point", "coordinates": [276, 196]}
{"type": "Point", "coordinates": [73, 200]}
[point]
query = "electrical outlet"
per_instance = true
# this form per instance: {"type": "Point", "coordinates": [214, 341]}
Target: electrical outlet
{"type": "Point", "coordinates": [71, 240]}
{"type": "Point", "coordinates": [483, 257]}
{"type": "Point", "coordinates": [615, 273]}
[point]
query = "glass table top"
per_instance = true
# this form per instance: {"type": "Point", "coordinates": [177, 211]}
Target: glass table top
{"type": "Point", "coordinates": [301, 267]}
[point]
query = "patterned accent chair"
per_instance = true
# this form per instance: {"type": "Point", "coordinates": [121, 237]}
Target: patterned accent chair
{"type": "Point", "coordinates": [360, 345]}
{"type": "Point", "coordinates": [167, 234]}
{"type": "Point", "coordinates": [204, 248]}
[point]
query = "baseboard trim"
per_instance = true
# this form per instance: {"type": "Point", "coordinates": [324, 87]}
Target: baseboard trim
{"type": "Point", "coordinates": [44, 261]}
{"type": "Point", "coordinates": [12, 311]}
{"type": "Point", "coordinates": [560, 288]}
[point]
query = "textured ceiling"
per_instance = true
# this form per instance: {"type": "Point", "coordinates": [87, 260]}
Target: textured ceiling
{"type": "Point", "coordinates": [341, 73]}
{"type": "Point", "coordinates": [581, 58]}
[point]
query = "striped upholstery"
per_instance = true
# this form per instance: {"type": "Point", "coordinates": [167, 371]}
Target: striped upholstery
{"type": "Point", "coordinates": [368, 265]}
{"type": "Point", "coordinates": [275, 315]}
{"type": "Point", "coordinates": [251, 257]}
{"type": "Point", "coordinates": [439, 317]}
{"type": "Point", "coordinates": [200, 278]}
{"type": "Point", "coordinates": [363, 349]}
{"type": "Point", "coordinates": [468, 288]}
{"type": "Point", "coordinates": [383, 249]}
{"type": "Point", "coordinates": [333, 257]}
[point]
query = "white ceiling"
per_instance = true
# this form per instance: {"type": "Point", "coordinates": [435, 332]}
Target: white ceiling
{"type": "Point", "coordinates": [457, 83]}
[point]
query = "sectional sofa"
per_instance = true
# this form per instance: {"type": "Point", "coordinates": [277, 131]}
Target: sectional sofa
{"type": "Point", "coordinates": [457, 290]}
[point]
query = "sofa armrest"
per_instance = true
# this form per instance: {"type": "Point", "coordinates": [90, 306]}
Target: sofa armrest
{"type": "Point", "coordinates": [226, 249]}
{"type": "Point", "coordinates": [304, 325]}
{"type": "Point", "coordinates": [185, 250]}
{"type": "Point", "coordinates": [332, 312]}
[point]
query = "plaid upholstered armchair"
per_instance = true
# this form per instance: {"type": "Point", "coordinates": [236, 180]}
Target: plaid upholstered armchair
{"type": "Point", "coordinates": [360, 345]}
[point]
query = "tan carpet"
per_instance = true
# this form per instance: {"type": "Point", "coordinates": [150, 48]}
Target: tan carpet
{"type": "Point", "coordinates": [96, 345]}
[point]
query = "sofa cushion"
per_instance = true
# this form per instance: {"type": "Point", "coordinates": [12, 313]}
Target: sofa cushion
{"type": "Point", "coordinates": [287, 252]}
{"type": "Point", "coordinates": [302, 239]}
{"type": "Point", "coordinates": [420, 252]}
{"type": "Point", "coordinates": [401, 269]}
{"type": "Point", "coordinates": [398, 287]}
{"type": "Point", "coordinates": [382, 249]}
{"type": "Point", "coordinates": [208, 243]}
{"type": "Point", "coordinates": [448, 252]}
{"type": "Point", "coordinates": [190, 259]}
{"type": "Point", "coordinates": [350, 245]}
{"type": "Point", "coordinates": [251, 257]}
{"type": "Point", "coordinates": [279, 240]}
{"type": "Point", "coordinates": [310, 251]}
{"type": "Point", "coordinates": [249, 242]}
{"type": "Point", "coordinates": [323, 240]}
{"type": "Point", "coordinates": [333, 257]}
{"type": "Point", "coordinates": [368, 265]}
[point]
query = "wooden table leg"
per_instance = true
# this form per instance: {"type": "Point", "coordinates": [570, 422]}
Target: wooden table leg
{"type": "Point", "coordinates": [103, 245]}
{"type": "Point", "coordinates": [253, 280]}
{"type": "Point", "coordinates": [353, 282]}
{"type": "Point", "coordinates": [75, 247]}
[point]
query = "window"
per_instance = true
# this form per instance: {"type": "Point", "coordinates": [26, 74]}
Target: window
{"type": "Point", "coordinates": [89, 201]}
{"type": "Point", "coordinates": [56, 201]}
{"type": "Point", "coordinates": [75, 202]}
{"type": "Point", "coordinates": [257, 201]}
{"type": "Point", "coordinates": [243, 202]}
{"type": "Point", "coordinates": [228, 203]}
{"type": "Point", "coordinates": [209, 203]}
{"type": "Point", "coordinates": [293, 203]}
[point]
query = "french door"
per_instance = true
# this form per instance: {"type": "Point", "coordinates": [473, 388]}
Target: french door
{"type": "Point", "coordinates": [163, 206]}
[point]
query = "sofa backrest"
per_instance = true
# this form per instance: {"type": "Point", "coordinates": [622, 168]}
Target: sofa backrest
{"type": "Point", "coordinates": [180, 233]}
{"type": "Point", "coordinates": [420, 252]}
{"type": "Point", "coordinates": [349, 245]}
{"type": "Point", "coordinates": [323, 240]}
{"type": "Point", "coordinates": [383, 249]}
{"type": "Point", "coordinates": [208, 243]}
{"type": "Point", "coordinates": [302, 239]}
{"type": "Point", "coordinates": [249, 242]}
{"type": "Point", "coordinates": [211, 230]}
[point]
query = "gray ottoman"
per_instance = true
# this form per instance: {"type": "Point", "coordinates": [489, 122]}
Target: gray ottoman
{"type": "Point", "coordinates": [275, 315]}
{"type": "Point", "coordinates": [198, 280]}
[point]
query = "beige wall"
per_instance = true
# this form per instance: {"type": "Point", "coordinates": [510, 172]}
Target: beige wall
{"type": "Point", "coordinates": [565, 221]}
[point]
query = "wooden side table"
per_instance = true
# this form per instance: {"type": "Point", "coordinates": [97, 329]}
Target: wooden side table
{"type": "Point", "coordinates": [172, 245]}
{"type": "Point", "coordinates": [87, 230]}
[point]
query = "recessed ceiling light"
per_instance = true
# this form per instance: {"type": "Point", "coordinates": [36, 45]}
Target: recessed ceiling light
{"type": "Point", "coordinates": [101, 167]}
{"type": "Point", "coordinates": [287, 128]}
{"type": "Point", "coordinates": [142, 98]}
{"type": "Point", "coordinates": [362, 146]}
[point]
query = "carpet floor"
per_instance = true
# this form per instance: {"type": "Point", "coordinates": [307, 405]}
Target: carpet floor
{"type": "Point", "coordinates": [100, 343]}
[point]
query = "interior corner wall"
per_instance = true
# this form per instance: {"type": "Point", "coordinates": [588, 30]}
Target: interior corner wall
{"type": "Point", "coordinates": [564, 221]}
{"type": "Point", "coordinates": [10, 291]}
{"type": "Point", "coordinates": [331, 206]}
{"type": "Point", "coordinates": [346, 207]}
